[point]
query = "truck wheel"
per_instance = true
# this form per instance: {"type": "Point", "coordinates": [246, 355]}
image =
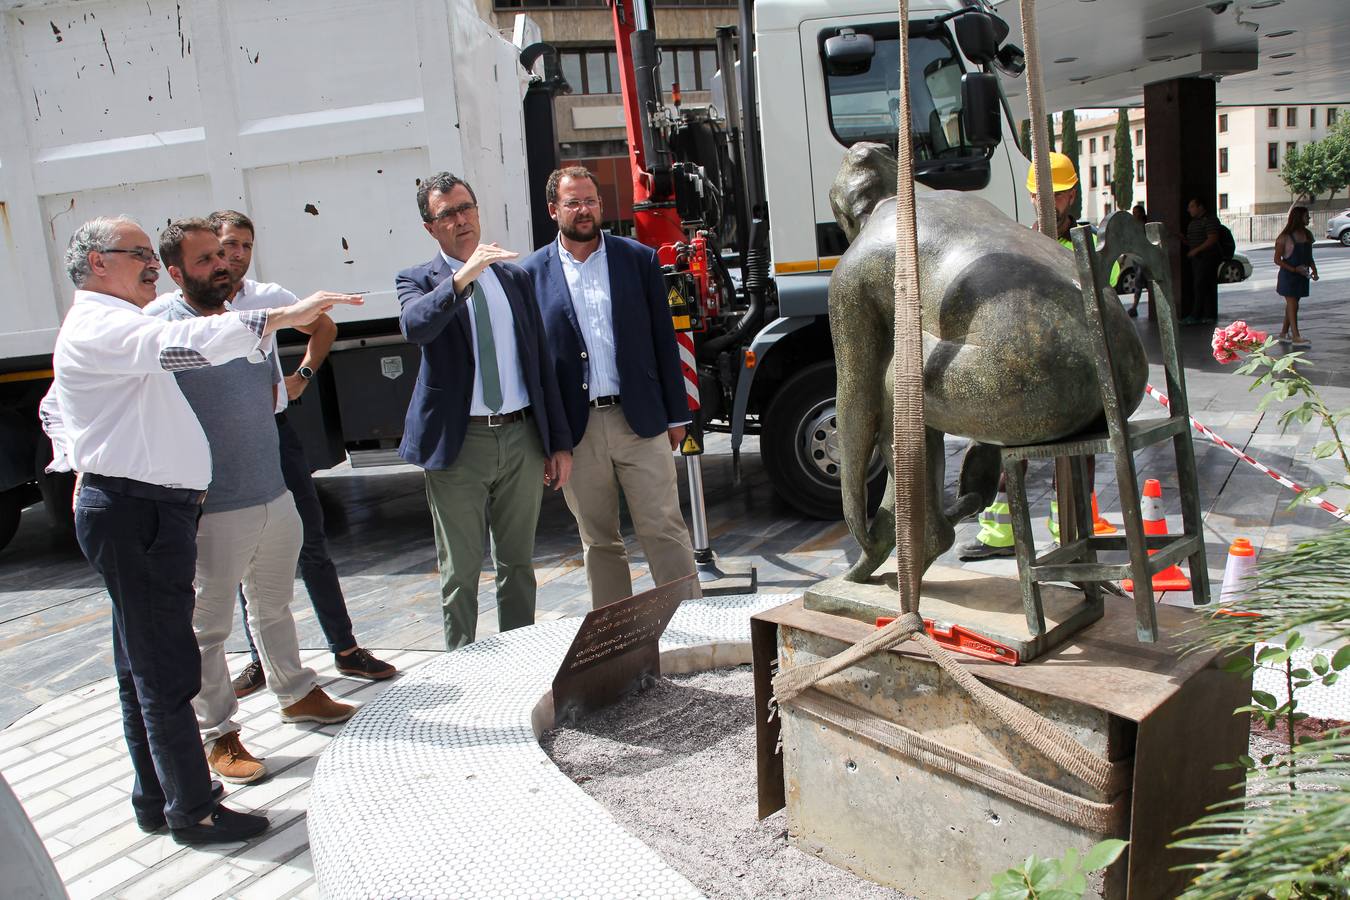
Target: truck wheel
{"type": "Point", "coordinates": [11, 509]}
{"type": "Point", "coordinates": [799, 444]}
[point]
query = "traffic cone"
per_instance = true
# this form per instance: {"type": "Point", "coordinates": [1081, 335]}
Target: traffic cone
{"type": "Point", "coordinates": [1100, 525]}
{"type": "Point", "coordinates": [1150, 504]}
{"type": "Point", "coordinates": [1241, 565]}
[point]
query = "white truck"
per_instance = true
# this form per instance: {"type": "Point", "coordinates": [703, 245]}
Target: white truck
{"type": "Point", "coordinates": [318, 119]}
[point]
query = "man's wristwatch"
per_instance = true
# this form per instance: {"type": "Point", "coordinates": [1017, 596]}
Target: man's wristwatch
{"type": "Point", "coordinates": [305, 372]}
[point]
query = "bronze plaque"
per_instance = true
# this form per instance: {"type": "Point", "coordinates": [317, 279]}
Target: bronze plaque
{"type": "Point", "coordinates": [616, 649]}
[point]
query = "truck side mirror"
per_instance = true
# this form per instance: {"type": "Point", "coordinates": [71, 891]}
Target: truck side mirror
{"type": "Point", "coordinates": [1011, 61]}
{"type": "Point", "coordinates": [981, 111]}
{"type": "Point", "coordinates": [975, 34]}
{"type": "Point", "coordinates": [849, 52]}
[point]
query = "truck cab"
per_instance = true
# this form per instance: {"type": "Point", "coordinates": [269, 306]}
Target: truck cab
{"type": "Point", "coordinates": [811, 109]}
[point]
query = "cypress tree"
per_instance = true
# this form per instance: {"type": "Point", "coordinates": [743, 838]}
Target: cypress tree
{"type": "Point", "coordinates": [1122, 169]}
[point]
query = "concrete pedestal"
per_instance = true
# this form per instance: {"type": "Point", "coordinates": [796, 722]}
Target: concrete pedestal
{"type": "Point", "coordinates": [864, 788]}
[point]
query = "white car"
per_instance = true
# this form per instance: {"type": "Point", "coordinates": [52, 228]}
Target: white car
{"type": "Point", "coordinates": [1338, 228]}
{"type": "Point", "coordinates": [1231, 271]}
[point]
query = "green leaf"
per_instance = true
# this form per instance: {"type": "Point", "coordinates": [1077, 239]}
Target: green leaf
{"type": "Point", "coordinates": [1300, 673]}
{"type": "Point", "coordinates": [1238, 663]}
{"type": "Point", "coordinates": [1272, 654]}
{"type": "Point", "coordinates": [1266, 700]}
{"type": "Point", "coordinates": [1102, 855]}
{"type": "Point", "coordinates": [1331, 679]}
{"type": "Point", "coordinates": [1042, 873]}
{"type": "Point", "coordinates": [1342, 658]}
{"type": "Point", "coordinates": [1320, 665]}
{"type": "Point", "coordinates": [1326, 449]}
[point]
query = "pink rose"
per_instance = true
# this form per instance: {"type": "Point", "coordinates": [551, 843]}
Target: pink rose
{"type": "Point", "coordinates": [1237, 338]}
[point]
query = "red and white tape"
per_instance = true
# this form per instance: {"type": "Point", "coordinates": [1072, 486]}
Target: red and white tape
{"type": "Point", "coordinates": [1260, 467]}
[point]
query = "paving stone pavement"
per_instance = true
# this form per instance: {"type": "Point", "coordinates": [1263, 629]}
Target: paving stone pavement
{"type": "Point", "coordinates": [63, 753]}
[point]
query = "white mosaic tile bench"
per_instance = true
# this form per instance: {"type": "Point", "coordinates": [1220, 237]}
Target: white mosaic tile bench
{"type": "Point", "coordinates": [438, 788]}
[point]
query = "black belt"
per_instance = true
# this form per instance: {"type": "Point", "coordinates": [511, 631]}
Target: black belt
{"type": "Point", "coordinates": [602, 402]}
{"type": "Point", "coordinates": [145, 491]}
{"type": "Point", "coordinates": [496, 420]}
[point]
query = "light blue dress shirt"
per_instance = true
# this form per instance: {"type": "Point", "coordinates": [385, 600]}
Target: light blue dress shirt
{"type": "Point", "coordinates": [509, 371]}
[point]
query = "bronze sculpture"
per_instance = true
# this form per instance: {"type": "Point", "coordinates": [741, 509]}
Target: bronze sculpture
{"type": "Point", "coordinates": [1007, 355]}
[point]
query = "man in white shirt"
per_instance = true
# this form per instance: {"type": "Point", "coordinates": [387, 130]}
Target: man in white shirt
{"type": "Point", "coordinates": [115, 414]}
{"type": "Point", "coordinates": [317, 569]}
{"type": "Point", "coordinates": [604, 305]}
{"type": "Point", "coordinates": [249, 530]}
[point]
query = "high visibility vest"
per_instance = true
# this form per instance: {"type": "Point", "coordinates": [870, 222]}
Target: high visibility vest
{"type": "Point", "coordinates": [1115, 266]}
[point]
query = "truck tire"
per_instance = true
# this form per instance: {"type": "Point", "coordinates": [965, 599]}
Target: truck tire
{"type": "Point", "coordinates": [11, 510]}
{"type": "Point", "coordinates": [799, 445]}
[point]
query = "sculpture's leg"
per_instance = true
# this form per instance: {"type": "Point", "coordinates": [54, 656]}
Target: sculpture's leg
{"type": "Point", "coordinates": [861, 362]}
{"type": "Point", "coordinates": [939, 535]}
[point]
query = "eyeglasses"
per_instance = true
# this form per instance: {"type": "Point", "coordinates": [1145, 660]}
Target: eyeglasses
{"type": "Point", "coordinates": [574, 205]}
{"type": "Point", "coordinates": [454, 212]}
{"type": "Point", "coordinates": [144, 254]}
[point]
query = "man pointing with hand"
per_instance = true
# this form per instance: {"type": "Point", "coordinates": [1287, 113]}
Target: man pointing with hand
{"type": "Point", "coordinates": [486, 419]}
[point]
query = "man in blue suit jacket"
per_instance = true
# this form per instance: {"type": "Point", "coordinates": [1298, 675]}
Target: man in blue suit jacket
{"type": "Point", "coordinates": [486, 421]}
{"type": "Point", "coordinates": [605, 311]}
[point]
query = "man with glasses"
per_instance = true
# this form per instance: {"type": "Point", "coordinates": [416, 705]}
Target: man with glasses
{"type": "Point", "coordinates": [486, 419]}
{"type": "Point", "coordinates": [604, 306]}
{"type": "Point", "coordinates": [115, 414]}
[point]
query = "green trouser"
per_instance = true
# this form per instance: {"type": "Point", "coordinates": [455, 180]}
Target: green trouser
{"type": "Point", "coordinates": [500, 468]}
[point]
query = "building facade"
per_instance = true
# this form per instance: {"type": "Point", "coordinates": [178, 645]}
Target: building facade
{"type": "Point", "coordinates": [1253, 142]}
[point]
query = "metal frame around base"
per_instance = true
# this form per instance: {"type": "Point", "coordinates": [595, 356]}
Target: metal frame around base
{"type": "Point", "coordinates": [1075, 561]}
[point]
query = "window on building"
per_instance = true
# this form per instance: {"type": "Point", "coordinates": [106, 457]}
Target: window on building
{"type": "Point", "coordinates": [1331, 116]}
{"type": "Point", "coordinates": [1223, 160]}
{"type": "Point", "coordinates": [1223, 123]}
{"type": "Point", "coordinates": [1223, 201]}
{"type": "Point", "coordinates": [1290, 147]}
{"type": "Point", "coordinates": [1272, 155]}
{"type": "Point", "coordinates": [1080, 149]}
{"type": "Point", "coordinates": [1092, 145]}
{"type": "Point", "coordinates": [1272, 118]}
{"type": "Point", "coordinates": [1107, 211]}
{"type": "Point", "coordinates": [1139, 171]}
{"type": "Point", "coordinates": [1291, 117]}
{"type": "Point", "coordinates": [1312, 117]}
{"type": "Point", "coordinates": [590, 71]}
{"type": "Point", "coordinates": [1106, 174]}
{"type": "Point", "coordinates": [1139, 137]}
{"type": "Point", "coordinates": [1106, 142]}
{"type": "Point", "coordinates": [1092, 176]}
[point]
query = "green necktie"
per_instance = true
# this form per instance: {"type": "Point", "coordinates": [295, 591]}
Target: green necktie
{"type": "Point", "coordinates": [487, 351]}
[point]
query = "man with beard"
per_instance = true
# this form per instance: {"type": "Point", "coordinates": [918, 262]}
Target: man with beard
{"type": "Point", "coordinates": [317, 569]}
{"type": "Point", "coordinates": [485, 420]}
{"type": "Point", "coordinates": [116, 415]}
{"type": "Point", "coordinates": [249, 531]}
{"type": "Point", "coordinates": [604, 305]}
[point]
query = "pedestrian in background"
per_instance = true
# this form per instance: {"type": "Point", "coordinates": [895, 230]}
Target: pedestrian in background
{"type": "Point", "coordinates": [1294, 258]}
{"type": "Point", "coordinates": [1141, 217]}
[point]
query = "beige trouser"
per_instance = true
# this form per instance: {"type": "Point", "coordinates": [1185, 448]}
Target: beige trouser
{"type": "Point", "coordinates": [258, 546]}
{"type": "Point", "coordinates": [609, 457]}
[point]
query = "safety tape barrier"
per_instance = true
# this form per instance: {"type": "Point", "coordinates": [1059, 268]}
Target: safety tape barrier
{"type": "Point", "coordinates": [1260, 467]}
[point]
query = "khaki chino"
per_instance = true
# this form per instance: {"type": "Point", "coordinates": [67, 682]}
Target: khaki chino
{"type": "Point", "coordinates": [609, 457]}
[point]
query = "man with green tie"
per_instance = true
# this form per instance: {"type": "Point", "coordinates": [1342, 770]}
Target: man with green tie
{"type": "Point", "coordinates": [486, 421]}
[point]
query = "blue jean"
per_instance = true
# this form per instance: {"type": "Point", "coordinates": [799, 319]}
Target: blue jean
{"type": "Point", "coordinates": [317, 569]}
{"type": "Point", "coordinates": [146, 551]}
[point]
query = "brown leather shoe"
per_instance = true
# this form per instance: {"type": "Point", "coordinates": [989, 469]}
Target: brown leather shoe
{"type": "Point", "coordinates": [318, 707]}
{"type": "Point", "coordinates": [231, 762]}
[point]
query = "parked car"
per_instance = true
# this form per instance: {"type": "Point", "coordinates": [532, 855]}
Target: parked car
{"type": "Point", "coordinates": [1231, 271]}
{"type": "Point", "coordinates": [1338, 228]}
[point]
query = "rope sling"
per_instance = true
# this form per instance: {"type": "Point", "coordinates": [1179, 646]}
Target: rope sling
{"type": "Point", "coordinates": [909, 481]}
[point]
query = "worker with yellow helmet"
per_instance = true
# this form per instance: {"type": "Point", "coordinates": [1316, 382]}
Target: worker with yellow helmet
{"type": "Point", "coordinates": [995, 537]}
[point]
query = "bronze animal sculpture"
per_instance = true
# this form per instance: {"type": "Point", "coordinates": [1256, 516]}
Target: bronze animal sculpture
{"type": "Point", "coordinates": [1007, 357]}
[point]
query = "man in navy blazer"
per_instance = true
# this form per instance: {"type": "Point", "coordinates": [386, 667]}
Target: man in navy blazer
{"type": "Point", "coordinates": [486, 420]}
{"type": "Point", "coordinates": [604, 305]}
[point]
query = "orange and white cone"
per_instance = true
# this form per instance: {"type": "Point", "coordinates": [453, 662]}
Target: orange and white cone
{"type": "Point", "coordinates": [1100, 525]}
{"type": "Point", "coordinates": [1237, 575]}
{"type": "Point", "coordinates": [1150, 504]}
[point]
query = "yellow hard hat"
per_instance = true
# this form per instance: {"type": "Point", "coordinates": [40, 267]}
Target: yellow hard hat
{"type": "Point", "coordinates": [1062, 174]}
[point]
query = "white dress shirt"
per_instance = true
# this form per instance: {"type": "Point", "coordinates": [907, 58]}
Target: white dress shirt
{"type": "Point", "coordinates": [114, 407]}
{"type": "Point", "coordinates": [509, 371]}
{"type": "Point", "coordinates": [588, 284]}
